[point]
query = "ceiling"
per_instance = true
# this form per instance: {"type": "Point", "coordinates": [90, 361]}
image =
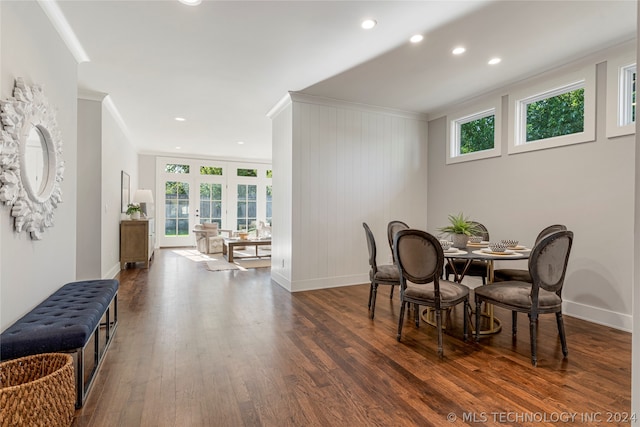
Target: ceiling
{"type": "Point", "coordinates": [223, 65]}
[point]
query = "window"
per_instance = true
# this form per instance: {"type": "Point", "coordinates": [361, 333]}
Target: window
{"type": "Point", "coordinates": [247, 207]}
{"type": "Point", "coordinates": [210, 170]}
{"type": "Point", "coordinates": [175, 168]}
{"type": "Point", "coordinates": [474, 133]}
{"type": "Point", "coordinates": [269, 203]}
{"type": "Point", "coordinates": [211, 203]}
{"type": "Point", "coordinates": [559, 112]}
{"type": "Point", "coordinates": [248, 172]}
{"type": "Point", "coordinates": [621, 95]}
{"type": "Point", "coordinates": [557, 115]}
{"type": "Point", "coordinates": [176, 208]}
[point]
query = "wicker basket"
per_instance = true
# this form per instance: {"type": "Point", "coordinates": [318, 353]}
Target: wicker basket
{"type": "Point", "coordinates": [37, 390]}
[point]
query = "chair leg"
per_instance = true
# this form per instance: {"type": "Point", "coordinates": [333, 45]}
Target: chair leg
{"type": "Point", "coordinates": [514, 323]}
{"type": "Point", "coordinates": [373, 299]}
{"type": "Point", "coordinates": [400, 319]}
{"type": "Point", "coordinates": [465, 320]}
{"type": "Point", "coordinates": [533, 326]}
{"type": "Point", "coordinates": [478, 303]}
{"type": "Point", "coordinates": [563, 337]}
{"type": "Point", "coordinates": [370, 295]}
{"type": "Point", "coordinates": [391, 293]}
{"type": "Point", "coordinates": [439, 326]}
{"type": "Point", "coordinates": [416, 315]}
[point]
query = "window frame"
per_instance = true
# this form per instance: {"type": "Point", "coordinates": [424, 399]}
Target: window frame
{"type": "Point", "coordinates": [618, 94]}
{"type": "Point", "coordinates": [584, 78]}
{"type": "Point", "coordinates": [468, 114]}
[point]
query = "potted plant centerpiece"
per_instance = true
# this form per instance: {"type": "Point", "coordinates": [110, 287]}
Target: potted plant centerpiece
{"type": "Point", "coordinates": [133, 211]}
{"type": "Point", "coordinates": [460, 228]}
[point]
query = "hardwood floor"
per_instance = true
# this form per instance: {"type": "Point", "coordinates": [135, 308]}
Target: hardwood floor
{"type": "Point", "coordinates": [231, 348]}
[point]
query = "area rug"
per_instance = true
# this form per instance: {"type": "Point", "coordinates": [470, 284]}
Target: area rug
{"type": "Point", "coordinates": [240, 264]}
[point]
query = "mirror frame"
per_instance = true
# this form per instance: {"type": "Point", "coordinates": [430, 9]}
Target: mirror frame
{"type": "Point", "coordinates": [32, 210]}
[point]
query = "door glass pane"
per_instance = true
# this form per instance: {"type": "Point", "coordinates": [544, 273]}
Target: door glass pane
{"type": "Point", "coordinates": [269, 197]}
{"type": "Point", "coordinates": [211, 203]}
{"type": "Point", "coordinates": [176, 208]}
{"type": "Point", "coordinates": [247, 207]}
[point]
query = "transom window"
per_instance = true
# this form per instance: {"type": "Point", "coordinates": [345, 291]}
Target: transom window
{"type": "Point", "coordinates": [627, 95]}
{"type": "Point", "coordinates": [474, 133]}
{"type": "Point", "coordinates": [210, 170]}
{"type": "Point", "coordinates": [553, 113]}
{"type": "Point", "coordinates": [176, 168]}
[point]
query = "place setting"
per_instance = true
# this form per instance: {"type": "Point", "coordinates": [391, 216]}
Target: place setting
{"type": "Point", "coordinates": [448, 249]}
{"type": "Point", "coordinates": [504, 248]}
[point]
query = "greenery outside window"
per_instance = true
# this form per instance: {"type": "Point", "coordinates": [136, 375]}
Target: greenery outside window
{"type": "Point", "coordinates": [554, 113]}
{"type": "Point", "coordinates": [474, 133]}
{"type": "Point", "coordinates": [176, 168]}
{"type": "Point", "coordinates": [210, 170]}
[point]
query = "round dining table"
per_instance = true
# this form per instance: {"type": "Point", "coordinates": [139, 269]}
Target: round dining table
{"type": "Point", "coordinates": [480, 251]}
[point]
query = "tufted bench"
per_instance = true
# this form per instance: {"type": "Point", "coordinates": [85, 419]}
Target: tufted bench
{"type": "Point", "coordinates": [68, 321]}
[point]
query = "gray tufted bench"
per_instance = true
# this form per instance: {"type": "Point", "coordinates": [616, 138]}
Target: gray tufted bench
{"type": "Point", "coordinates": [76, 315]}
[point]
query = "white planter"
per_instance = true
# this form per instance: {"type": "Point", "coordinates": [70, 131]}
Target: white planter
{"type": "Point", "coordinates": [135, 215]}
{"type": "Point", "coordinates": [460, 240]}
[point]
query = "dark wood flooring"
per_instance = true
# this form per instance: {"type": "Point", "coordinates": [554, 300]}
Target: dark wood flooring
{"type": "Point", "coordinates": [231, 348]}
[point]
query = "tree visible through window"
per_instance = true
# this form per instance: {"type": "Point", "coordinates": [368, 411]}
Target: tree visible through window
{"type": "Point", "coordinates": [558, 115]}
{"type": "Point", "coordinates": [477, 135]}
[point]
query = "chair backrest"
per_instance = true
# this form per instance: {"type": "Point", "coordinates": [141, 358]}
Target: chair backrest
{"type": "Point", "coordinates": [550, 229]}
{"type": "Point", "coordinates": [481, 231]}
{"type": "Point", "coordinates": [392, 228]}
{"type": "Point", "coordinates": [371, 245]}
{"type": "Point", "coordinates": [419, 257]}
{"type": "Point", "coordinates": [548, 262]}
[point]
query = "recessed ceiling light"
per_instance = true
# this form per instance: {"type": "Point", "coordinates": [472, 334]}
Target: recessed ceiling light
{"type": "Point", "coordinates": [177, 148]}
{"type": "Point", "coordinates": [190, 2]}
{"type": "Point", "coordinates": [459, 50]}
{"type": "Point", "coordinates": [368, 24]}
{"type": "Point", "coordinates": [416, 38]}
{"type": "Point", "coordinates": [180, 119]}
{"type": "Point", "coordinates": [494, 61]}
{"type": "Point", "coordinates": [240, 142]}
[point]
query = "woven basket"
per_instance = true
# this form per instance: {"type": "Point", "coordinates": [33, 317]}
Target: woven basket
{"type": "Point", "coordinates": [37, 390]}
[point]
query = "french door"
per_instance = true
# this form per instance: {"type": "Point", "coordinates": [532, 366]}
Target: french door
{"type": "Point", "coordinates": [192, 191]}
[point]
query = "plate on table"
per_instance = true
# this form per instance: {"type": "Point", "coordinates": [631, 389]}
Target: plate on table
{"type": "Point", "coordinates": [482, 244]}
{"type": "Point", "coordinates": [490, 252]}
{"type": "Point", "coordinates": [518, 248]}
{"type": "Point", "coordinates": [454, 251]}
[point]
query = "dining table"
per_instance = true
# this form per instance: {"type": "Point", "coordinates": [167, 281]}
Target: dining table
{"type": "Point", "coordinates": [480, 251]}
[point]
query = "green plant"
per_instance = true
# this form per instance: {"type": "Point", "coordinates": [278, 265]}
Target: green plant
{"type": "Point", "coordinates": [131, 208]}
{"type": "Point", "coordinates": [459, 224]}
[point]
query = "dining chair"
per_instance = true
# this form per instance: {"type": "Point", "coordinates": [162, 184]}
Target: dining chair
{"type": "Point", "coordinates": [506, 274]}
{"type": "Point", "coordinates": [547, 266]}
{"type": "Point", "coordinates": [420, 258]}
{"type": "Point", "coordinates": [386, 274]}
{"type": "Point", "coordinates": [392, 228]}
{"type": "Point", "coordinates": [477, 268]}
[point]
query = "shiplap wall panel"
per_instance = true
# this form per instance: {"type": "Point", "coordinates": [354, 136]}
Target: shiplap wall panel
{"type": "Point", "coordinates": [350, 164]}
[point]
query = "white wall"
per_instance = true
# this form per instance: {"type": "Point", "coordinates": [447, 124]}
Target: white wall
{"type": "Point", "coordinates": [588, 187]}
{"type": "Point", "coordinates": [118, 154]}
{"type": "Point", "coordinates": [31, 270]}
{"type": "Point", "coordinates": [89, 218]}
{"type": "Point", "coordinates": [350, 164]}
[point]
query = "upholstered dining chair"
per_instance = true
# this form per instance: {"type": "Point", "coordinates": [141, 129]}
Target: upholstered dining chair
{"type": "Point", "coordinates": [506, 274]}
{"type": "Point", "coordinates": [385, 274]}
{"type": "Point", "coordinates": [392, 228]}
{"type": "Point", "coordinates": [420, 258]}
{"type": "Point", "coordinates": [477, 268]}
{"type": "Point", "coordinates": [547, 266]}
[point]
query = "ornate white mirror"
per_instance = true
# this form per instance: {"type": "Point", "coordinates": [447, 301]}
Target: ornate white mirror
{"type": "Point", "coordinates": [31, 166]}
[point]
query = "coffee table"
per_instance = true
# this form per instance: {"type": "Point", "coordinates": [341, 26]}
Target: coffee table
{"type": "Point", "coordinates": [229, 244]}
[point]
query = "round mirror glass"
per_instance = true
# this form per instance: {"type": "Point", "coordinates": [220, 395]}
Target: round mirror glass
{"type": "Point", "coordinates": [36, 160]}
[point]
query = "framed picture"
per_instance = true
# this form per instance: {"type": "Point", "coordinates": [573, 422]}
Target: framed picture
{"type": "Point", "coordinates": [125, 191]}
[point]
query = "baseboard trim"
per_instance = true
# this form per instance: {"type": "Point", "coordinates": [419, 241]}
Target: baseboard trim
{"type": "Point", "coordinates": [328, 282]}
{"type": "Point", "coordinates": [623, 322]}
